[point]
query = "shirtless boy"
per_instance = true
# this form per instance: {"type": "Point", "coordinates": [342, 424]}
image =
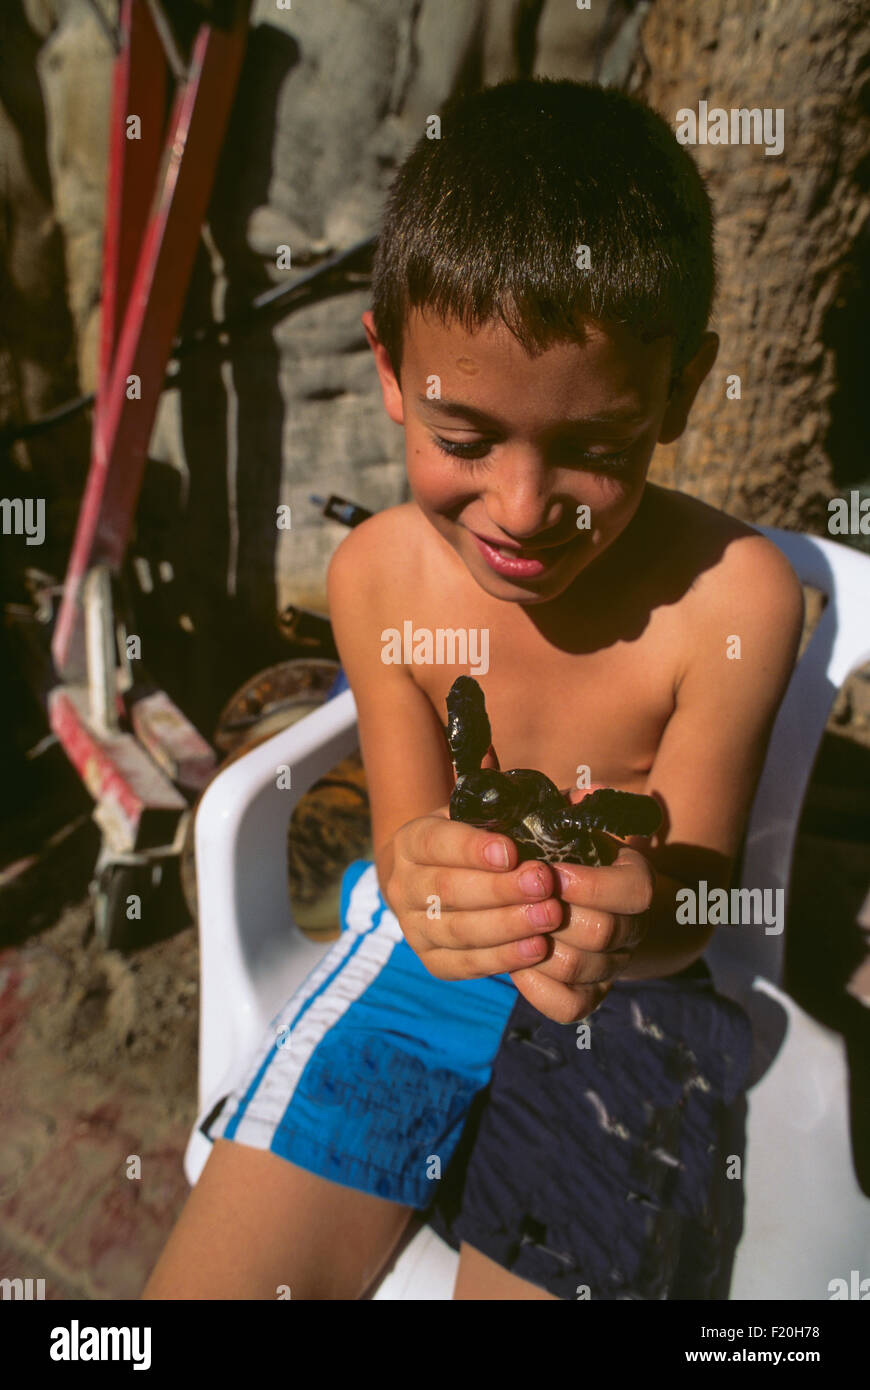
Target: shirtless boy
{"type": "Point", "coordinates": [533, 381]}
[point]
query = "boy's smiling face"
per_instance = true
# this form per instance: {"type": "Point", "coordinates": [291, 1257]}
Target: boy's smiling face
{"type": "Point", "coordinates": [511, 447]}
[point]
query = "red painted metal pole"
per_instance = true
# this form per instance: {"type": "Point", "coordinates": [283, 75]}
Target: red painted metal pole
{"type": "Point", "coordinates": [138, 89]}
{"type": "Point", "coordinates": [122, 429]}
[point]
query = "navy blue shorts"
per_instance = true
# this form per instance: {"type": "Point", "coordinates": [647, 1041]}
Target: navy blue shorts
{"type": "Point", "coordinates": [605, 1160]}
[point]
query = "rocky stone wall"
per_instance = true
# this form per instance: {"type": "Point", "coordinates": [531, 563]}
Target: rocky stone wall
{"type": "Point", "coordinates": [793, 242]}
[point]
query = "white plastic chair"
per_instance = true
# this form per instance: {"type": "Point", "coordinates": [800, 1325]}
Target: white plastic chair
{"type": "Point", "coordinates": [806, 1220]}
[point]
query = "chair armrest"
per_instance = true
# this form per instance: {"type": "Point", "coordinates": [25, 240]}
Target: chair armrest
{"type": "Point", "coordinates": [840, 643]}
{"type": "Point", "coordinates": [251, 950]}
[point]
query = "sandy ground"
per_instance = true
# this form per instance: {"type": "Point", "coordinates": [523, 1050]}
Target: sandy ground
{"type": "Point", "coordinates": [98, 1060]}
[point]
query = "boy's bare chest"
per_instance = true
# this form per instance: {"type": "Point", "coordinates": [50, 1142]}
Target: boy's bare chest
{"type": "Point", "coordinates": [559, 698]}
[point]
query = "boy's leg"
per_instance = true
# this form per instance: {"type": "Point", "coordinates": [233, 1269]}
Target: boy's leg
{"type": "Point", "coordinates": [479, 1277]}
{"type": "Point", "coordinates": [254, 1222]}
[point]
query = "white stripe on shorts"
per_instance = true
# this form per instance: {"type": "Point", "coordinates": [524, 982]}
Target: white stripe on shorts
{"type": "Point", "coordinates": [276, 1086]}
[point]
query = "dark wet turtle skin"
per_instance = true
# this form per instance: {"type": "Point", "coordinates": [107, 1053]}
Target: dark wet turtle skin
{"type": "Point", "coordinates": [526, 805]}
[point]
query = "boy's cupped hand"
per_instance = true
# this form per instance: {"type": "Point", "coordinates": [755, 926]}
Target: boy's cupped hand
{"type": "Point", "coordinates": [469, 909]}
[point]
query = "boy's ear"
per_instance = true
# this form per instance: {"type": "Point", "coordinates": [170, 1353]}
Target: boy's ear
{"type": "Point", "coordinates": [685, 388]}
{"type": "Point", "coordinates": [390, 388]}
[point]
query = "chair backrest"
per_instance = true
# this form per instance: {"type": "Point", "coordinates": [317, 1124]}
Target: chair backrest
{"type": "Point", "coordinates": [840, 643]}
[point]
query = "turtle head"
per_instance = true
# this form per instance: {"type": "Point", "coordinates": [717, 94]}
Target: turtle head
{"type": "Point", "coordinates": [486, 798]}
{"type": "Point", "coordinates": [468, 730]}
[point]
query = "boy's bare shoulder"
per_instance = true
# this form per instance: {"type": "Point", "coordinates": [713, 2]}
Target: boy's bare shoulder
{"type": "Point", "coordinates": [382, 550]}
{"type": "Point", "coordinates": [727, 566]}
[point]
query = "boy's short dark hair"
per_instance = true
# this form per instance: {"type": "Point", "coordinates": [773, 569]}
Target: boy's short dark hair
{"type": "Point", "coordinates": [486, 221]}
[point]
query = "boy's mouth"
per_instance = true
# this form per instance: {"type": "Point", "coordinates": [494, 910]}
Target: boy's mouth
{"type": "Point", "coordinates": [516, 562]}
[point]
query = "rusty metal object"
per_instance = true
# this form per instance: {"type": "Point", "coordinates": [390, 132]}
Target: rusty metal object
{"type": "Point", "coordinates": [329, 828]}
{"type": "Point", "coordinates": [272, 700]}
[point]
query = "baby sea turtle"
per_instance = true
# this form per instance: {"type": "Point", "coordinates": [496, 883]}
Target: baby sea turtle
{"type": "Point", "coordinates": [525, 804]}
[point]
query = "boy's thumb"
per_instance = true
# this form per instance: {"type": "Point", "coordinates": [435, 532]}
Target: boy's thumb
{"type": "Point", "coordinates": [491, 759]}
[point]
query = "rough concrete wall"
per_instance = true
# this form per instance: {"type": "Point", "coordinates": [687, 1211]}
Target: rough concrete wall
{"type": "Point", "coordinates": [793, 236]}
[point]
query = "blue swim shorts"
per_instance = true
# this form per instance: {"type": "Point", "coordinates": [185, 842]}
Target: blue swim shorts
{"type": "Point", "coordinates": [366, 1076]}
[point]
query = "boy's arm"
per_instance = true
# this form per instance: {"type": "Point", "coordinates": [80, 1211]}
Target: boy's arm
{"type": "Point", "coordinates": [407, 767]}
{"type": "Point", "coordinates": [709, 759]}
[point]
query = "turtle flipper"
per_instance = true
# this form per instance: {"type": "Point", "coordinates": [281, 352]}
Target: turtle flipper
{"type": "Point", "coordinates": [468, 730]}
{"type": "Point", "coordinates": [618, 813]}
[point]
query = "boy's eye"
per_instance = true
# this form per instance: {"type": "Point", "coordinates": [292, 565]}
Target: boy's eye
{"type": "Point", "coordinates": [478, 449]}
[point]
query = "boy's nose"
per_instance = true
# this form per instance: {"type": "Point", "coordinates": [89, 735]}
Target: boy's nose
{"type": "Point", "coordinates": [519, 499]}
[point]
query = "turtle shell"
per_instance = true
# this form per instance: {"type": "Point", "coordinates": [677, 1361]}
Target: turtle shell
{"type": "Point", "coordinates": [527, 806]}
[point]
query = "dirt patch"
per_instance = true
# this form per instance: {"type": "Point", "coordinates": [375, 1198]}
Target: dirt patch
{"type": "Point", "coordinates": [134, 1019]}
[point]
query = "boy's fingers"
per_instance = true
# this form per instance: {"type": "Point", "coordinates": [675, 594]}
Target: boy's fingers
{"type": "Point", "coordinates": [625, 886]}
{"type": "Point", "coordinates": [468, 932]}
{"type": "Point", "coordinates": [474, 890]}
{"type": "Point", "coordinates": [602, 932]}
{"type": "Point", "coordinates": [453, 845]}
{"type": "Point", "coordinates": [447, 964]}
{"type": "Point", "coordinates": [491, 759]}
{"type": "Point", "coordinates": [561, 1003]}
{"type": "Point", "coordinates": [572, 967]}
